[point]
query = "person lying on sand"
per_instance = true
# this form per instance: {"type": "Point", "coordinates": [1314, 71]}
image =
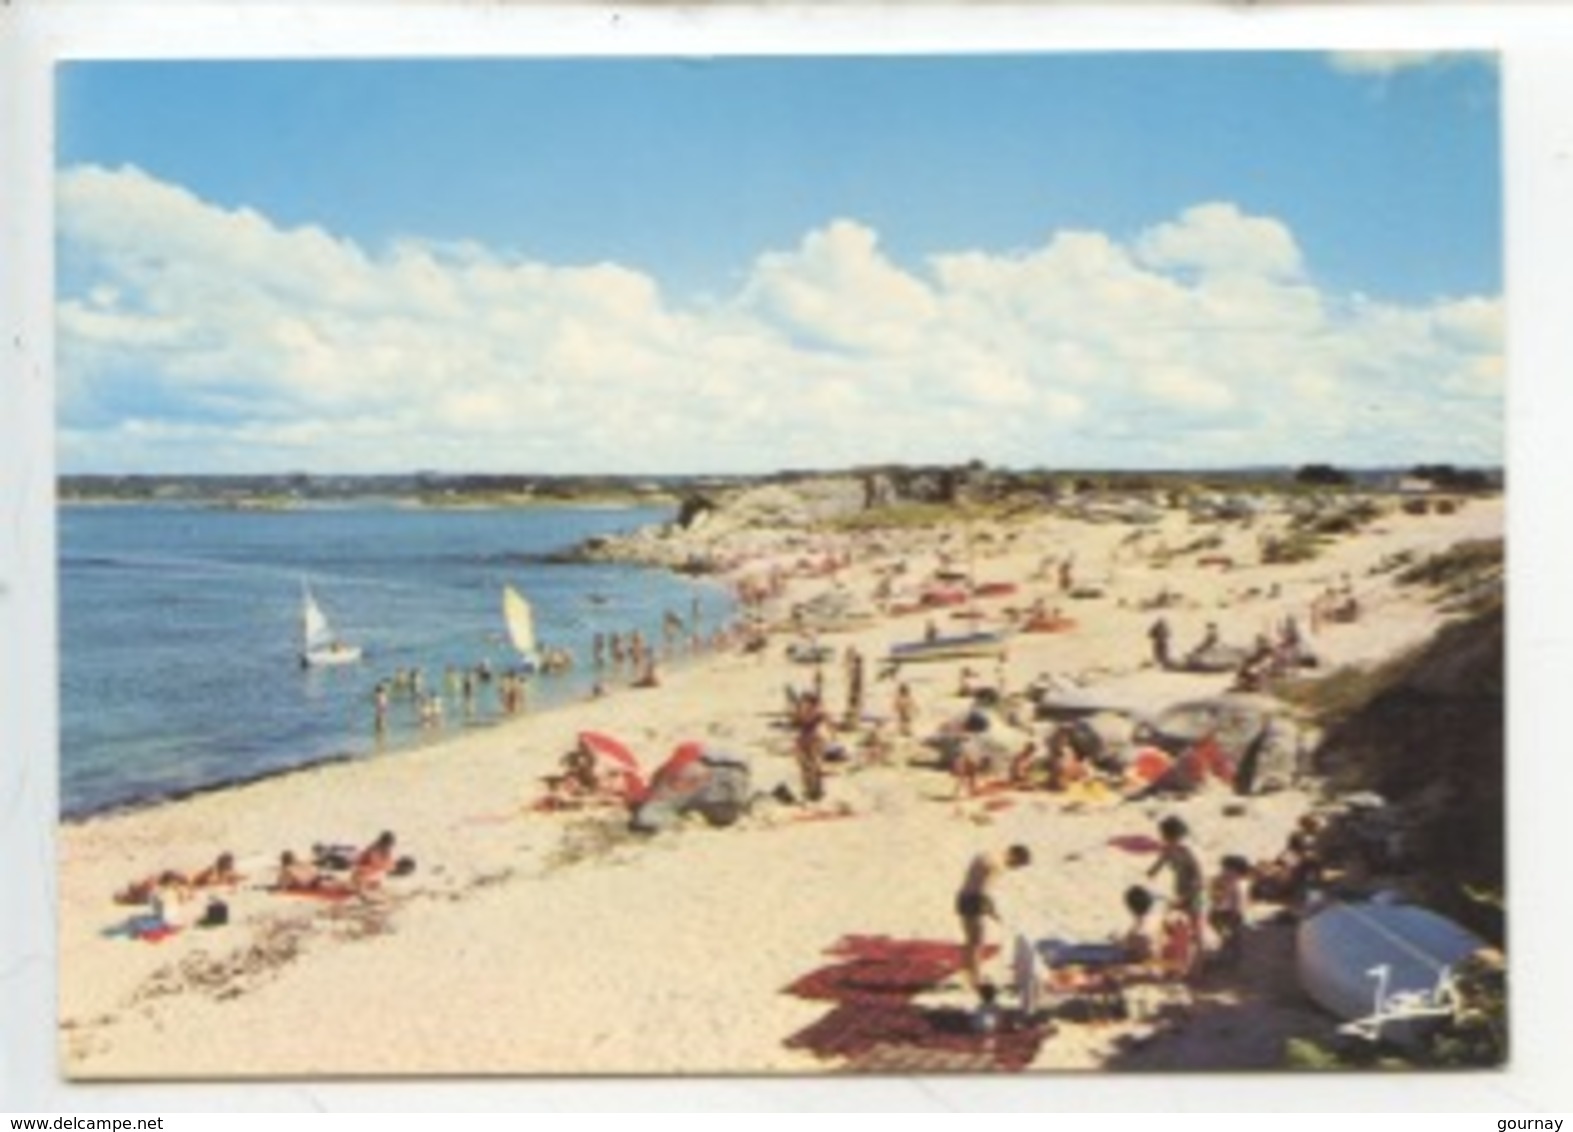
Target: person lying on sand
{"type": "Point", "coordinates": [577, 782]}
{"type": "Point", "coordinates": [141, 891]}
{"type": "Point", "coordinates": [374, 862]}
{"type": "Point", "coordinates": [220, 872]}
{"type": "Point", "coordinates": [296, 876]}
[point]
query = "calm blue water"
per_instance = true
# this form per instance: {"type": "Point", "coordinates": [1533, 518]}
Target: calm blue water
{"type": "Point", "coordinates": [180, 630]}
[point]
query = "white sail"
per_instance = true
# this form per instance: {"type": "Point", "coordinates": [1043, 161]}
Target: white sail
{"type": "Point", "coordinates": [521, 622]}
{"type": "Point", "coordinates": [318, 633]}
{"type": "Point", "coordinates": [321, 646]}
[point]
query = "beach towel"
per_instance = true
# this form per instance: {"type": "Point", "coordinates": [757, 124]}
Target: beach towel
{"type": "Point", "coordinates": [147, 927]}
{"type": "Point", "coordinates": [1136, 843]}
{"type": "Point", "coordinates": [1149, 765]}
{"type": "Point", "coordinates": [1090, 790]}
{"type": "Point", "coordinates": [874, 1020]}
{"type": "Point", "coordinates": [1024, 974]}
{"type": "Point", "coordinates": [1061, 953]}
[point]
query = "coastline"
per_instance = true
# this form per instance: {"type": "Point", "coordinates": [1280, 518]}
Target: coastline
{"type": "Point", "coordinates": [532, 943]}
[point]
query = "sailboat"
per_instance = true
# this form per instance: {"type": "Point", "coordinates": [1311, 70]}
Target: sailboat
{"type": "Point", "coordinates": [521, 626]}
{"type": "Point", "coordinates": [321, 648]}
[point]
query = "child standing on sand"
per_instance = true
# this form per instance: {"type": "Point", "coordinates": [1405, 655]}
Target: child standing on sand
{"type": "Point", "coordinates": [906, 710]}
{"type": "Point", "coordinates": [1226, 898]}
{"type": "Point", "coordinates": [1185, 870]}
{"type": "Point", "coordinates": [975, 902]}
{"type": "Point", "coordinates": [1137, 942]}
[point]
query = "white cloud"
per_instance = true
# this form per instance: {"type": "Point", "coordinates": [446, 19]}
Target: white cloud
{"type": "Point", "coordinates": [1218, 239]}
{"type": "Point", "coordinates": [193, 336]}
{"type": "Point", "coordinates": [838, 290]}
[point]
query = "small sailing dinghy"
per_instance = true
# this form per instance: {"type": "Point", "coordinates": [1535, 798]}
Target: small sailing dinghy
{"type": "Point", "coordinates": [520, 619]}
{"type": "Point", "coordinates": [322, 648]}
{"type": "Point", "coordinates": [1384, 967]}
{"type": "Point", "coordinates": [982, 644]}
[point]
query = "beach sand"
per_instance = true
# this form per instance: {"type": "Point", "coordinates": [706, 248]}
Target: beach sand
{"type": "Point", "coordinates": [531, 942]}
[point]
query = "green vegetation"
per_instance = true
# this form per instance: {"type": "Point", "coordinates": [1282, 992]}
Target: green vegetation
{"type": "Point", "coordinates": [1446, 477]}
{"type": "Point", "coordinates": [1298, 546]}
{"type": "Point", "coordinates": [899, 517]}
{"type": "Point", "coordinates": [1468, 577]}
{"type": "Point", "coordinates": [1333, 698]}
{"type": "Point", "coordinates": [1426, 732]}
{"type": "Point", "coordinates": [1344, 520]}
{"type": "Point", "coordinates": [280, 492]}
{"type": "Point", "coordinates": [1322, 475]}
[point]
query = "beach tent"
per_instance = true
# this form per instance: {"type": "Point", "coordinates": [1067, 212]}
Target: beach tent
{"type": "Point", "coordinates": [1235, 720]}
{"type": "Point", "coordinates": [694, 779]}
{"type": "Point", "coordinates": [1251, 732]}
{"type": "Point", "coordinates": [1275, 761]}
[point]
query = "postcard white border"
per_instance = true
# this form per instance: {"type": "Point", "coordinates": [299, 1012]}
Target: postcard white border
{"type": "Point", "coordinates": [1537, 42]}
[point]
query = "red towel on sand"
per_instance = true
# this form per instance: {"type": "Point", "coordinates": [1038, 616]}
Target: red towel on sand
{"type": "Point", "coordinates": [1136, 843]}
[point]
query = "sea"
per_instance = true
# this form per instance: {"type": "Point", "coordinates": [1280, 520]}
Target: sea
{"type": "Point", "coordinates": [181, 631]}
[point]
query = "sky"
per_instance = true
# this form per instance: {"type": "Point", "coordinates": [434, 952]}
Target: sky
{"type": "Point", "coordinates": [663, 265]}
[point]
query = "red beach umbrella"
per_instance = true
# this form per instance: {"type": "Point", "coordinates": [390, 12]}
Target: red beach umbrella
{"type": "Point", "coordinates": [609, 750]}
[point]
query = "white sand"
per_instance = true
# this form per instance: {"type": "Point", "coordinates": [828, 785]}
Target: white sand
{"type": "Point", "coordinates": [557, 943]}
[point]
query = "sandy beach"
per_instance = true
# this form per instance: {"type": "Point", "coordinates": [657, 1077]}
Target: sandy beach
{"type": "Point", "coordinates": [558, 942]}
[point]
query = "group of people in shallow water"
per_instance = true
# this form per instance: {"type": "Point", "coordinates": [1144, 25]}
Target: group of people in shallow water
{"type": "Point", "coordinates": [480, 689]}
{"type": "Point", "coordinates": [173, 897]}
{"type": "Point", "coordinates": [1202, 922]}
{"type": "Point", "coordinates": [463, 691]}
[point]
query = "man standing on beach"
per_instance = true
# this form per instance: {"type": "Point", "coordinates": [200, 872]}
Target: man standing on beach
{"type": "Point", "coordinates": [906, 709]}
{"type": "Point", "coordinates": [854, 662]}
{"type": "Point", "coordinates": [811, 743]}
{"type": "Point", "coordinates": [975, 902]}
{"type": "Point", "coordinates": [1159, 636]}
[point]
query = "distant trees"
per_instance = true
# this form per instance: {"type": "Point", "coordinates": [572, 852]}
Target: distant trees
{"type": "Point", "coordinates": [1446, 477]}
{"type": "Point", "coordinates": [1322, 475]}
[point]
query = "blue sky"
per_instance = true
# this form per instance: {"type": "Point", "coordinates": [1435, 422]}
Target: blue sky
{"type": "Point", "coordinates": [1077, 243]}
